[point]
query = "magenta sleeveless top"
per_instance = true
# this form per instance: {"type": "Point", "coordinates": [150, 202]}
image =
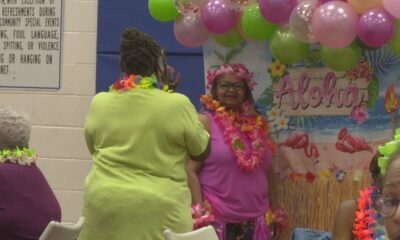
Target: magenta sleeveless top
{"type": "Point", "coordinates": [234, 195]}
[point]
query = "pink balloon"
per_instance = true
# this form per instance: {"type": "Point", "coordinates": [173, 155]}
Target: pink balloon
{"type": "Point", "coordinates": [189, 30]}
{"type": "Point", "coordinates": [320, 2]}
{"type": "Point", "coordinates": [393, 7]}
{"type": "Point", "coordinates": [375, 27]}
{"type": "Point", "coordinates": [218, 18]}
{"type": "Point", "coordinates": [301, 19]}
{"type": "Point", "coordinates": [277, 11]}
{"type": "Point", "coordinates": [335, 24]}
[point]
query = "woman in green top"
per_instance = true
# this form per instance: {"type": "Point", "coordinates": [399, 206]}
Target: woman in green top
{"type": "Point", "coordinates": [140, 138]}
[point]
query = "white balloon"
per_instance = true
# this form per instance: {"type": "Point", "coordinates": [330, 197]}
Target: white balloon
{"type": "Point", "coordinates": [300, 21]}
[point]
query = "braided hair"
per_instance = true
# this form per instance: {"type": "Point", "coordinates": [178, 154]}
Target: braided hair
{"type": "Point", "coordinates": [374, 169]}
{"type": "Point", "coordinates": [141, 55]}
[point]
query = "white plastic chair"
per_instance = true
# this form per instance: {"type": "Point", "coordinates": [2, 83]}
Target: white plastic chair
{"type": "Point", "coordinates": [61, 231]}
{"type": "Point", "coordinates": [204, 233]}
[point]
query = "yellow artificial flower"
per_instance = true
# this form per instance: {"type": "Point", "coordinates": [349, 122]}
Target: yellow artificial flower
{"type": "Point", "coordinates": [273, 113]}
{"type": "Point", "coordinates": [277, 69]}
{"type": "Point", "coordinates": [282, 122]}
{"type": "Point", "coordinates": [269, 217]}
{"type": "Point", "coordinates": [145, 84]}
{"type": "Point", "coordinates": [325, 173]}
{"type": "Point", "coordinates": [165, 88]}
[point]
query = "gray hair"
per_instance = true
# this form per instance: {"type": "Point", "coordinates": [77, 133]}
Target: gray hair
{"type": "Point", "coordinates": [15, 128]}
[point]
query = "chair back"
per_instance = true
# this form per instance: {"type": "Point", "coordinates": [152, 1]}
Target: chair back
{"type": "Point", "coordinates": [204, 233]}
{"type": "Point", "coordinates": [62, 231]}
{"type": "Point", "coordinates": [310, 234]}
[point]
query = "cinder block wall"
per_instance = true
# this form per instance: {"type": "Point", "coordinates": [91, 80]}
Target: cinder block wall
{"type": "Point", "coordinates": [58, 116]}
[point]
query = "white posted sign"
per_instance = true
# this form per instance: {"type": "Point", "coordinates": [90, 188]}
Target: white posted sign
{"type": "Point", "coordinates": [30, 43]}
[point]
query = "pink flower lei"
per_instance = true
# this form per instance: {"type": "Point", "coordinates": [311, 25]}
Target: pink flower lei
{"type": "Point", "coordinates": [247, 121]}
{"type": "Point", "coordinates": [239, 70]}
{"type": "Point", "coordinates": [364, 227]}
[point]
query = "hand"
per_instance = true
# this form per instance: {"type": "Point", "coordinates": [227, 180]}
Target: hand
{"type": "Point", "coordinates": [172, 78]}
{"type": "Point", "coordinates": [275, 231]}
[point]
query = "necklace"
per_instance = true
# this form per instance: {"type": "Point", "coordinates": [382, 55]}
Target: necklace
{"type": "Point", "coordinates": [248, 122]}
{"type": "Point", "coordinates": [367, 219]}
{"type": "Point", "coordinates": [132, 81]}
{"type": "Point", "coordinates": [24, 156]}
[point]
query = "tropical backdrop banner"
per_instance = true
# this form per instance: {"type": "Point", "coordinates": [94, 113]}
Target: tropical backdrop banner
{"type": "Point", "coordinates": [326, 123]}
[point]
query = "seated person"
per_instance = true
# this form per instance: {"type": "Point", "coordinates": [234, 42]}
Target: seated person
{"type": "Point", "coordinates": [387, 203]}
{"type": "Point", "coordinates": [27, 203]}
{"type": "Point", "coordinates": [350, 214]}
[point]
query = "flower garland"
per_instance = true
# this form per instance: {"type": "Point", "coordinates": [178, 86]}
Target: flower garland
{"type": "Point", "coordinates": [202, 215]}
{"type": "Point", "coordinates": [367, 218]}
{"type": "Point", "coordinates": [277, 216]}
{"type": "Point", "coordinates": [239, 70]}
{"type": "Point", "coordinates": [136, 81]}
{"type": "Point", "coordinates": [24, 156]}
{"type": "Point", "coordinates": [246, 121]}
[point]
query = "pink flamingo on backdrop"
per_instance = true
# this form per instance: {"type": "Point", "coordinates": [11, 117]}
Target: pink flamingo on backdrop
{"type": "Point", "coordinates": [351, 144]}
{"type": "Point", "coordinates": [299, 140]}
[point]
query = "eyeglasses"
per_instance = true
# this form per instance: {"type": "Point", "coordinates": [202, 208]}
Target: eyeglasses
{"type": "Point", "coordinates": [224, 86]}
{"type": "Point", "coordinates": [386, 206]}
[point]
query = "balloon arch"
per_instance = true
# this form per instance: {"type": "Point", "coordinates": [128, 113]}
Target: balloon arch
{"type": "Point", "coordinates": [342, 28]}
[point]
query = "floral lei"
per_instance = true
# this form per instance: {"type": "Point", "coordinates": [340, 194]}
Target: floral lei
{"type": "Point", "coordinates": [136, 81]}
{"type": "Point", "coordinates": [24, 156]}
{"type": "Point", "coordinates": [248, 122]}
{"type": "Point", "coordinates": [239, 70]}
{"type": "Point", "coordinates": [367, 218]}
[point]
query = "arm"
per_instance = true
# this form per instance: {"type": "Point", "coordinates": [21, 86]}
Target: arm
{"type": "Point", "coordinates": [273, 191]}
{"type": "Point", "coordinates": [193, 168]}
{"type": "Point", "coordinates": [204, 155]}
{"type": "Point", "coordinates": [343, 225]}
{"type": "Point", "coordinates": [89, 142]}
{"type": "Point", "coordinates": [91, 119]}
{"type": "Point", "coordinates": [207, 126]}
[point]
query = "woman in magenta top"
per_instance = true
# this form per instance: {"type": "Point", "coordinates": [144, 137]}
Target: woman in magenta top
{"type": "Point", "coordinates": [234, 178]}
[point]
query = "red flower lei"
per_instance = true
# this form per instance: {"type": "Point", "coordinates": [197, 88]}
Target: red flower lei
{"type": "Point", "coordinates": [365, 221]}
{"type": "Point", "coordinates": [250, 123]}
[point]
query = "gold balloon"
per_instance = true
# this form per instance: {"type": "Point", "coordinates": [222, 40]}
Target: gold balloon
{"type": "Point", "coordinates": [239, 4]}
{"type": "Point", "coordinates": [361, 6]}
{"type": "Point", "coordinates": [188, 6]}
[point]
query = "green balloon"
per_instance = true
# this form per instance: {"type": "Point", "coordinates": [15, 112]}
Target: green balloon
{"type": "Point", "coordinates": [229, 39]}
{"type": "Point", "coordinates": [255, 26]}
{"type": "Point", "coordinates": [394, 42]}
{"type": "Point", "coordinates": [163, 10]}
{"type": "Point", "coordinates": [286, 48]}
{"type": "Point", "coordinates": [341, 59]}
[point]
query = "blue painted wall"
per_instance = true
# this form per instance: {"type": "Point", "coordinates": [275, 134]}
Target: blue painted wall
{"type": "Point", "coordinates": [116, 15]}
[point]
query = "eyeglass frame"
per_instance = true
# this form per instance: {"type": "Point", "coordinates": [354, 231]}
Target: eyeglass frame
{"type": "Point", "coordinates": [395, 208]}
{"type": "Point", "coordinates": [234, 86]}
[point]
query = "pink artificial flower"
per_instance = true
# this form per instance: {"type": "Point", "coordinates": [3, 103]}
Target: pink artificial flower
{"type": "Point", "coordinates": [239, 70]}
{"type": "Point", "coordinates": [247, 108]}
{"type": "Point", "coordinates": [359, 115]}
